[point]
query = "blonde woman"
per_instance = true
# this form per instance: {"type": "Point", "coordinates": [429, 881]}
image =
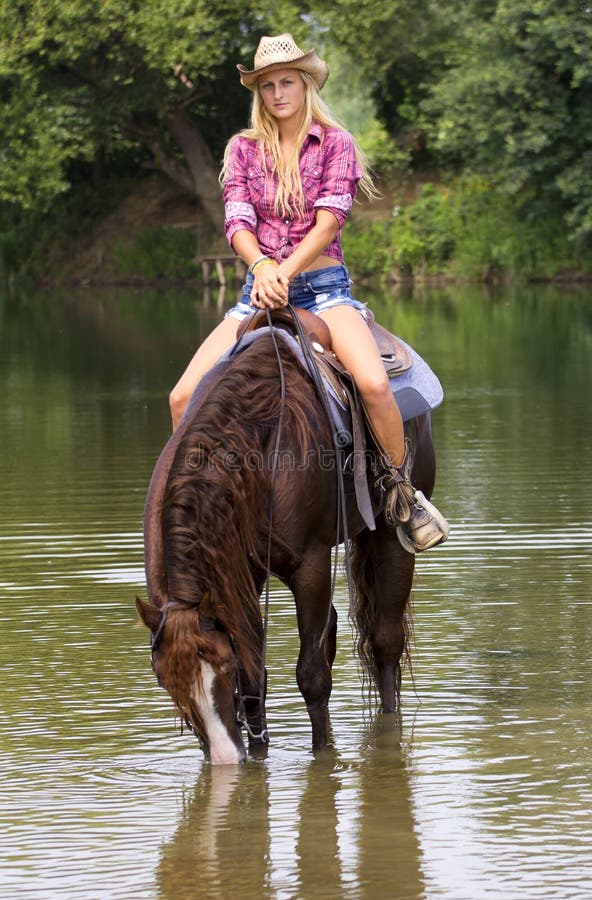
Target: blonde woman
{"type": "Point", "coordinates": [289, 182]}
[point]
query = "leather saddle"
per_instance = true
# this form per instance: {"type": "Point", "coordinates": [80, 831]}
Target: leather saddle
{"type": "Point", "coordinates": [393, 352]}
{"type": "Point", "coordinates": [396, 359]}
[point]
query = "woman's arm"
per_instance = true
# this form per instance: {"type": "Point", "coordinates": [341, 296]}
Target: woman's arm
{"type": "Point", "coordinates": [312, 245]}
{"type": "Point", "coordinates": [308, 250]}
{"type": "Point", "coordinates": [270, 287]}
{"type": "Point", "coordinates": [246, 246]}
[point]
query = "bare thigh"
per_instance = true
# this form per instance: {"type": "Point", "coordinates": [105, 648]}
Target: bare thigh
{"type": "Point", "coordinates": [356, 348]}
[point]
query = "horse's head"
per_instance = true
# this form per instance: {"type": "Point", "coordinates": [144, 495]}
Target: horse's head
{"type": "Point", "coordinates": [193, 659]}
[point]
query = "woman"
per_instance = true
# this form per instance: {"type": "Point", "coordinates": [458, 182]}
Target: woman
{"type": "Point", "coordinates": [289, 182]}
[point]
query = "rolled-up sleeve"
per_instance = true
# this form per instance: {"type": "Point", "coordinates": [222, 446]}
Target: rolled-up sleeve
{"type": "Point", "coordinates": [341, 174]}
{"type": "Point", "coordinates": [239, 212]}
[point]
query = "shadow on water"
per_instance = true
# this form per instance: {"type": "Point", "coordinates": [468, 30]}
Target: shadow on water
{"type": "Point", "coordinates": [349, 829]}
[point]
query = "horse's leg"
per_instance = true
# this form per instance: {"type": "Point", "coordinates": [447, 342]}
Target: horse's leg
{"type": "Point", "coordinates": [317, 627]}
{"type": "Point", "coordinates": [383, 575]}
{"type": "Point", "coordinates": [332, 635]}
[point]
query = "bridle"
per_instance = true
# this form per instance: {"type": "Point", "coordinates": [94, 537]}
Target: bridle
{"type": "Point", "coordinates": [207, 623]}
{"type": "Point", "coordinates": [156, 636]}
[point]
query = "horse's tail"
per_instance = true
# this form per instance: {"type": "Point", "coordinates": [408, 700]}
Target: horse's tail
{"type": "Point", "coordinates": [382, 611]}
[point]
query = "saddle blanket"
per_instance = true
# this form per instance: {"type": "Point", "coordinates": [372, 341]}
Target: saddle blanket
{"type": "Point", "coordinates": [417, 390]}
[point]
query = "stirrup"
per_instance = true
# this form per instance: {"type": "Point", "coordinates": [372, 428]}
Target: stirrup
{"type": "Point", "coordinates": [426, 527]}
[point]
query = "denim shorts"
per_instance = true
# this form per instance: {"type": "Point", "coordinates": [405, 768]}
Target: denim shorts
{"type": "Point", "coordinates": [317, 291]}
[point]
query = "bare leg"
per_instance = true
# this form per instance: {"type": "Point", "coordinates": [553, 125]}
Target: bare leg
{"type": "Point", "coordinates": [419, 524]}
{"type": "Point", "coordinates": [356, 348]}
{"type": "Point", "coordinates": [218, 341]}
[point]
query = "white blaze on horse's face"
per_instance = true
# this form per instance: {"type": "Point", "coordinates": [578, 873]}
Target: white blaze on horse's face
{"type": "Point", "coordinates": [223, 749]}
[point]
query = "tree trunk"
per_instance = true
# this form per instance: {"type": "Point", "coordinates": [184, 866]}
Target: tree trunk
{"type": "Point", "coordinates": [200, 163]}
{"type": "Point", "coordinates": [99, 167]}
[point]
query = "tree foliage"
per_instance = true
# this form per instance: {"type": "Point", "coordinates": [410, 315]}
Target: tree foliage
{"type": "Point", "coordinates": [515, 104]}
{"type": "Point", "coordinates": [91, 82]}
{"type": "Point", "coordinates": [398, 48]}
{"type": "Point", "coordinates": [499, 89]}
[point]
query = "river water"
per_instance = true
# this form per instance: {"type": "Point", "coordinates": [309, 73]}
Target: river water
{"type": "Point", "coordinates": [486, 788]}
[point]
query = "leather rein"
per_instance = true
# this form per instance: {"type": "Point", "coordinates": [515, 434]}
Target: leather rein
{"type": "Point", "coordinates": [341, 511]}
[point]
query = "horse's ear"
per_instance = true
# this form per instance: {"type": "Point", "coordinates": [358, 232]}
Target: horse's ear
{"type": "Point", "coordinates": [149, 614]}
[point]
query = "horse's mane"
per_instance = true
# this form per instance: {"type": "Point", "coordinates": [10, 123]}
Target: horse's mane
{"type": "Point", "coordinates": [216, 503]}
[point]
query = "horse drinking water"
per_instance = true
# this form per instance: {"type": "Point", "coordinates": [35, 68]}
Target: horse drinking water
{"type": "Point", "coordinates": [248, 485]}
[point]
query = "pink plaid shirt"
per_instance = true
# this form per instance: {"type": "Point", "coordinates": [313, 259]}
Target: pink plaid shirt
{"type": "Point", "coordinates": [329, 173]}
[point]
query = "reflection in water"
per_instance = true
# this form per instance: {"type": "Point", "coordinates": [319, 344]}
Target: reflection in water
{"type": "Point", "coordinates": [316, 853]}
{"type": "Point", "coordinates": [390, 858]}
{"type": "Point", "coordinates": [219, 294]}
{"type": "Point", "coordinates": [336, 828]}
{"type": "Point", "coordinates": [487, 790]}
{"type": "Point", "coordinates": [221, 845]}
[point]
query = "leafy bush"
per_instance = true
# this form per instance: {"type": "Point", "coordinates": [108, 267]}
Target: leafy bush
{"type": "Point", "coordinates": [366, 248]}
{"type": "Point", "coordinates": [34, 242]}
{"type": "Point", "coordinates": [422, 236]}
{"type": "Point", "coordinates": [158, 252]}
{"type": "Point", "coordinates": [520, 237]}
{"type": "Point", "coordinates": [470, 230]}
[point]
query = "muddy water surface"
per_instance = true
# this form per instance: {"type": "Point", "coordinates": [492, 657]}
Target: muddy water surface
{"type": "Point", "coordinates": [486, 789]}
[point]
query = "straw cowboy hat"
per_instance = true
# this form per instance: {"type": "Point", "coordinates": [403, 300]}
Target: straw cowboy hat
{"type": "Point", "coordinates": [282, 52]}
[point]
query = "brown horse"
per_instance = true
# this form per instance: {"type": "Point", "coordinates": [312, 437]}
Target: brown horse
{"type": "Point", "coordinates": [246, 485]}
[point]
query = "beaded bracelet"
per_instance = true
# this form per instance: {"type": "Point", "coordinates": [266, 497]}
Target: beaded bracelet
{"type": "Point", "coordinates": [259, 262]}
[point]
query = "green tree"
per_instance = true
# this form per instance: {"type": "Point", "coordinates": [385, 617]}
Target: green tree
{"type": "Point", "coordinates": [399, 50]}
{"type": "Point", "coordinates": [152, 83]}
{"type": "Point", "coordinates": [515, 105]}
{"type": "Point", "coordinates": [500, 89]}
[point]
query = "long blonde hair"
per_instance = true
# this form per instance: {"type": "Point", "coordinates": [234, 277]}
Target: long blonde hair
{"type": "Point", "coordinates": [264, 129]}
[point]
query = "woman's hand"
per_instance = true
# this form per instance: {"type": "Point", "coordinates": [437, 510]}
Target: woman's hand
{"type": "Point", "coordinates": [270, 287]}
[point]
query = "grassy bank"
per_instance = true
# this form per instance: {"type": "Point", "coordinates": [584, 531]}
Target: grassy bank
{"type": "Point", "coordinates": [151, 232]}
